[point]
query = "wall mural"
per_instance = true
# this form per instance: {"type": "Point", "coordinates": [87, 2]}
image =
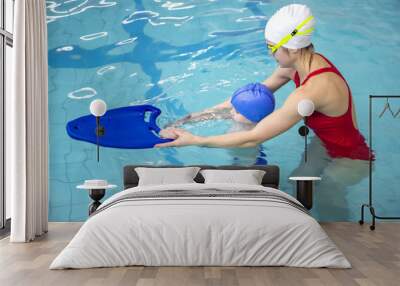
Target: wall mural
{"type": "Point", "coordinates": [155, 64]}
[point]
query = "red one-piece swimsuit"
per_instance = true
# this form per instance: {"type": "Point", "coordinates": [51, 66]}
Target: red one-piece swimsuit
{"type": "Point", "coordinates": [337, 133]}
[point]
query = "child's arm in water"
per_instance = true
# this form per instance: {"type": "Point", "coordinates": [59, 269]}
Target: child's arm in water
{"type": "Point", "coordinates": [275, 81]}
{"type": "Point", "coordinates": [218, 111]}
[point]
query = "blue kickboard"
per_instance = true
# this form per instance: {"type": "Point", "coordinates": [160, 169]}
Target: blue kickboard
{"type": "Point", "coordinates": [131, 127]}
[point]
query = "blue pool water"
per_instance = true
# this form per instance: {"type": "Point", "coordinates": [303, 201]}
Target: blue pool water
{"type": "Point", "coordinates": [186, 56]}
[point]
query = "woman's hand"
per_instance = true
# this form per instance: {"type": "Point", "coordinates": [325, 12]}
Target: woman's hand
{"type": "Point", "coordinates": [181, 138]}
{"type": "Point", "coordinates": [168, 133]}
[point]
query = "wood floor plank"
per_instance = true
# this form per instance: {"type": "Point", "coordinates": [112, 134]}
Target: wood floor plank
{"type": "Point", "coordinates": [374, 255]}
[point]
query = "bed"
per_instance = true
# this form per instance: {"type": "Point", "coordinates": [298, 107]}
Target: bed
{"type": "Point", "coordinates": [201, 224]}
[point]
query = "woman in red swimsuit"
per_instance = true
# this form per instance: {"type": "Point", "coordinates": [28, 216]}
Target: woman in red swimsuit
{"type": "Point", "coordinates": [288, 37]}
{"type": "Point", "coordinates": [315, 77]}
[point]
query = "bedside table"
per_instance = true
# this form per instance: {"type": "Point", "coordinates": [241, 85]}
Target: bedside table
{"type": "Point", "coordinates": [304, 190]}
{"type": "Point", "coordinates": [97, 190]}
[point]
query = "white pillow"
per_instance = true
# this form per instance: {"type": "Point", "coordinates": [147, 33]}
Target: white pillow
{"type": "Point", "coordinates": [165, 176]}
{"type": "Point", "coordinates": [248, 177]}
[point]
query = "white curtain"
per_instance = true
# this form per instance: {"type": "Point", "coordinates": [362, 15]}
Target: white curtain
{"type": "Point", "coordinates": [27, 124]}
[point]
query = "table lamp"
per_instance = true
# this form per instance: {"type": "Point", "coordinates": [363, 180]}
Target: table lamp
{"type": "Point", "coordinates": [98, 108]}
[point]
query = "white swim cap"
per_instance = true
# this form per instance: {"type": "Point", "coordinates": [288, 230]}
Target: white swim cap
{"type": "Point", "coordinates": [285, 21]}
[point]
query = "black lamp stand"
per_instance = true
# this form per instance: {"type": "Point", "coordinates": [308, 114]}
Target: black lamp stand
{"type": "Point", "coordinates": [96, 195]}
{"type": "Point", "coordinates": [303, 131]}
{"type": "Point", "coordinates": [99, 132]}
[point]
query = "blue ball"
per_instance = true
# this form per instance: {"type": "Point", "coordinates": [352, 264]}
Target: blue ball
{"type": "Point", "coordinates": [254, 101]}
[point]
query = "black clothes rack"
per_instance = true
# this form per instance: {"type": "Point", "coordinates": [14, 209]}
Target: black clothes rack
{"type": "Point", "coordinates": [370, 202]}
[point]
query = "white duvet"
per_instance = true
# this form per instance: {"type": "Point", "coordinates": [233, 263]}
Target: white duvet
{"type": "Point", "coordinates": [200, 231]}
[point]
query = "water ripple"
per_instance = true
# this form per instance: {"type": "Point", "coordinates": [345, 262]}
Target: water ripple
{"type": "Point", "coordinates": [176, 78]}
{"type": "Point", "coordinates": [193, 54]}
{"type": "Point", "coordinates": [105, 69]}
{"type": "Point", "coordinates": [201, 51]}
{"type": "Point", "coordinates": [94, 36]}
{"type": "Point", "coordinates": [176, 6]}
{"type": "Point", "coordinates": [155, 24]}
{"type": "Point", "coordinates": [127, 41]}
{"type": "Point", "coordinates": [252, 19]}
{"type": "Point", "coordinates": [57, 10]}
{"type": "Point", "coordinates": [233, 54]}
{"type": "Point", "coordinates": [154, 19]}
{"type": "Point", "coordinates": [192, 66]}
{"type": "Point", "coordinates": [83, 93]}
{"type": "Point", "coordinates": [65, 49]}
{"type": "Point", "coordinates": [179, 21]}
{"type": "Point", "coordinates": [258, 2]}
{"type": "Point", "coordinates": [139, 15]}
{"type": "Point", "coordinates": [180, 55]}
{"type": "Point", "coordinates": [223, 83]}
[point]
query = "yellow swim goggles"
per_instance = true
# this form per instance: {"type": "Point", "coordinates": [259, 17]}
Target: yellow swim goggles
{"type": "Point", "coordinates": [273, 48]}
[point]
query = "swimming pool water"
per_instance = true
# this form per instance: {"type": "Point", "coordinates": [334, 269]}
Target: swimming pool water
{"type": "Point", "coordinates": [186, 56]}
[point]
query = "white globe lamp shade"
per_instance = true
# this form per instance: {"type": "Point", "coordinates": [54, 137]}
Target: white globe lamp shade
{"type": "Point", "coordinates": [98, 107]}
{"type": "Point", "coordinates": [305, 107]}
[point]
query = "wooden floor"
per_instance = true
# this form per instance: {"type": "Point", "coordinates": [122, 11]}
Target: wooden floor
{"type": "Point", "coordinates": [375, 257]}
